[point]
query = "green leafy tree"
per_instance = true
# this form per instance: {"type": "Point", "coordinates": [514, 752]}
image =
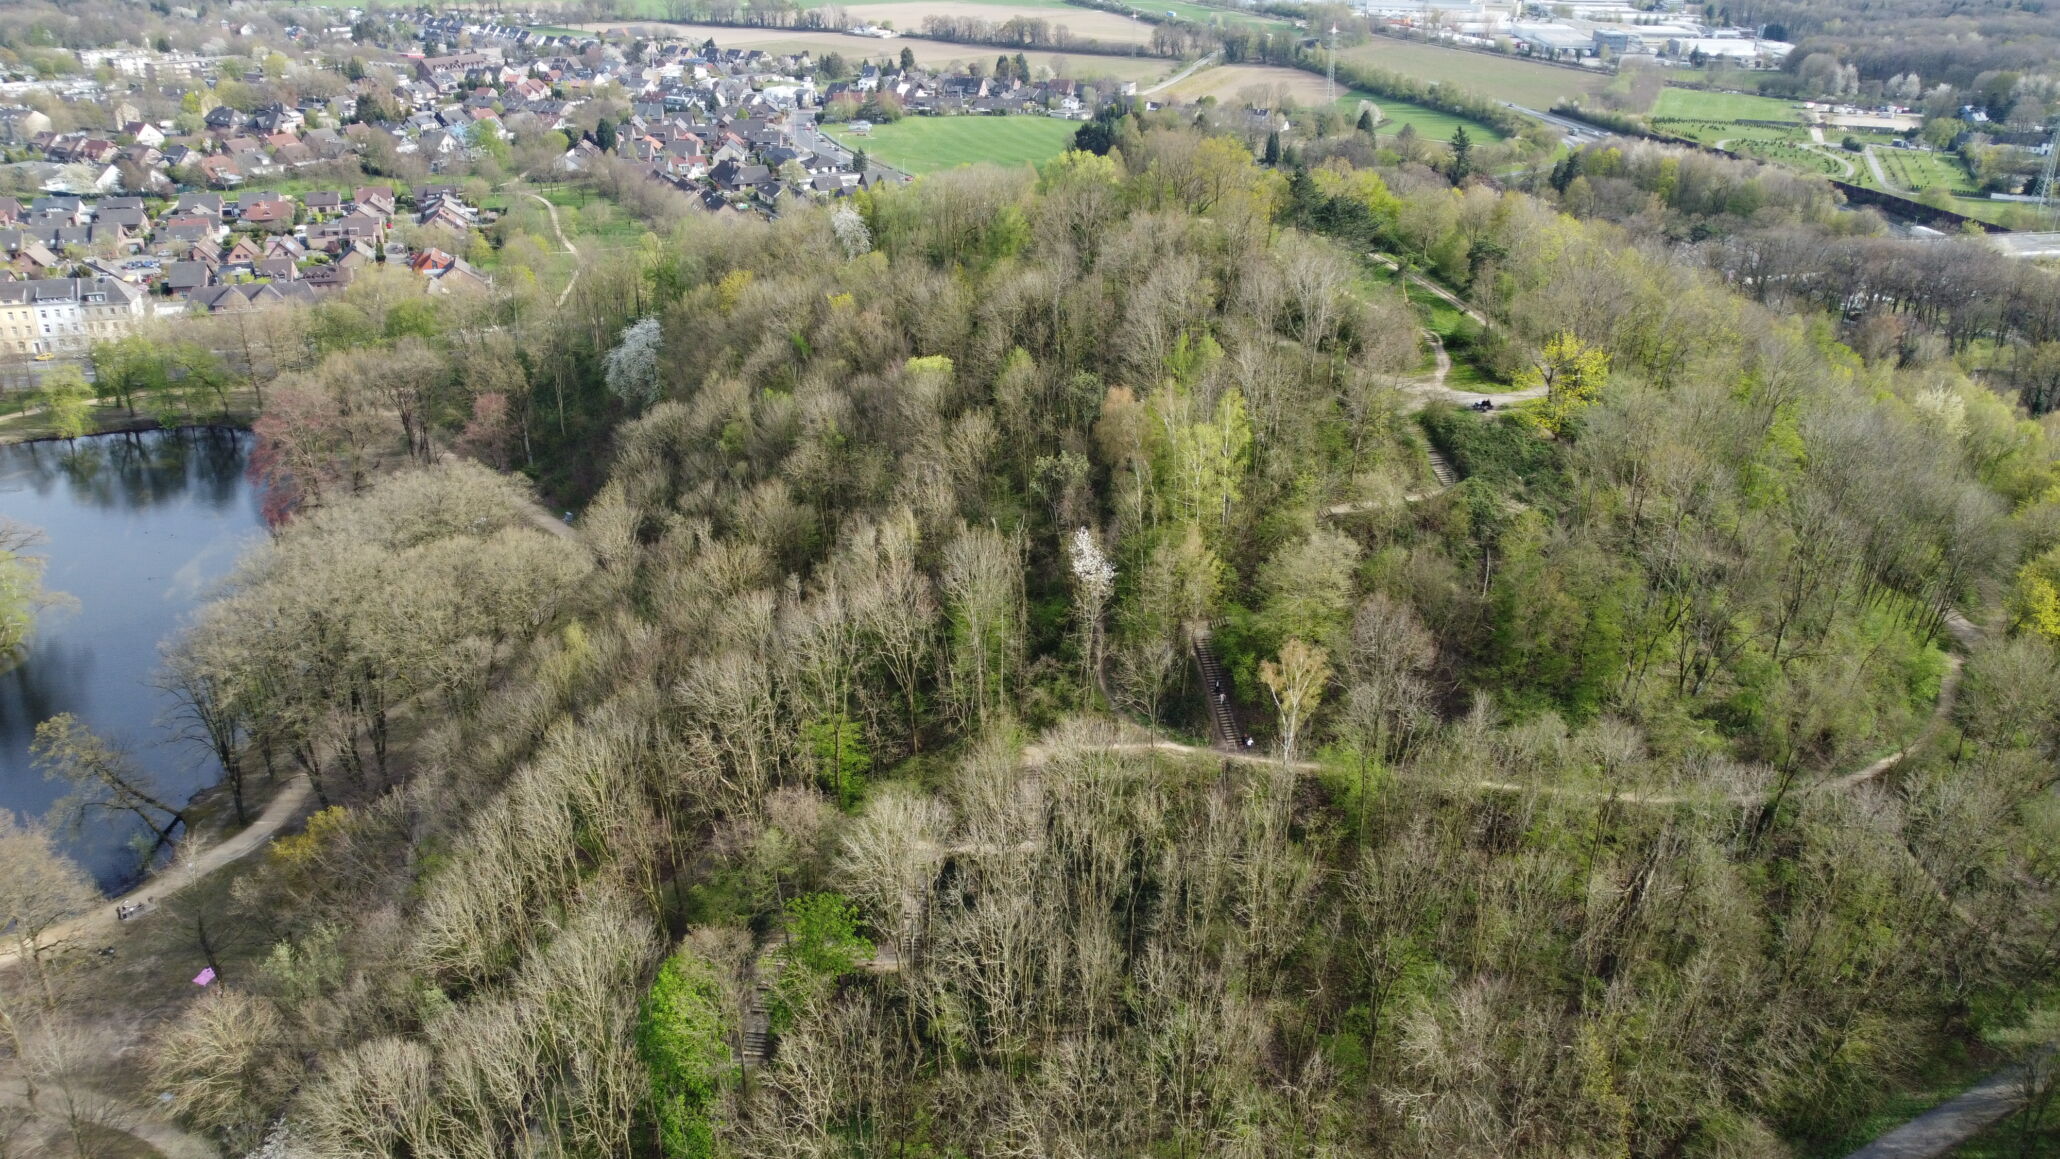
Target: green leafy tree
{"type": "Point", "coordinates": [70, 401]}
{"type": "Point", "coordinates": [1573, 374]}
{"type": "Point", "coordinates": [823, 944]}
{"type": "Point", "coordinates": [842, 759]}
{"type": "Point", "coordinates": [683, 1032]}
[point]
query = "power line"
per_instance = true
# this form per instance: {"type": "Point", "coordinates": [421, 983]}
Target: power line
{"type": "Point", "coordinates": [2052, 167]}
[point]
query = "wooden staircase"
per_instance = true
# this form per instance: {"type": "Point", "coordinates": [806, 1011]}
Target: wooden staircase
{"type": "Point", "coordinates": [1442, 467]}
{"type": "Point", "coordinates": [1229, 735]}
{"type": "Point", "coordinates": [755, 1037]}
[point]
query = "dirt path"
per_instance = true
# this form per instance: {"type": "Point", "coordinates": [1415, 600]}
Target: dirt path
{"type": "Point", "coordinates": [101, 922]}
{"type": "Point", "coordinates": [568, 247]}
{"type": "Point", "coordinates": [1182, 75]}
{"type": "Point", "coordinates": [1880, 174]}
{"type": "Point", "coordinates": [173, 1141]}
{"type": "Point", "coordinates": [1963, 632]}
{"type": "Point", "coordinates": [1944, 1127]}
{"type": "Point", "coordinates": [1450, 298]}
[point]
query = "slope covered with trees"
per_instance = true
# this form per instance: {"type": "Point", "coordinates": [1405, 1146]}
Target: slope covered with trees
{"type": "Point", "coordinates": [822, 793]}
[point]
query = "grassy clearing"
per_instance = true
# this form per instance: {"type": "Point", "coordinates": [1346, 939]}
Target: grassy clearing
{"type": "Point", "coordinates": [1695, 104]}
{"type": "Point", "coordinates": [1500, 78]}
{"type": "Point", "coordinates": [1434, 123]}
{"type": "Point", "coordinates": [928, 144]}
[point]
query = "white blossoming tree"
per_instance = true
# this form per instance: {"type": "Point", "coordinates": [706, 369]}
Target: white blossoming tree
{"type": "Point", "coordinates": [633, 364]}
{"type": "Point", "coordinates": [851, 232]}
{"type": "Point", "coordinates": [1094, 581]}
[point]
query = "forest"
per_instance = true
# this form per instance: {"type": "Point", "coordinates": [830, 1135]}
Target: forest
{"type": "Point", "coordinates": [839, 781]}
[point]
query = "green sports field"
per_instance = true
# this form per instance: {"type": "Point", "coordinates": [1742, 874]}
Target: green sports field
{"type": "Point", "coordinates": [927, 144]}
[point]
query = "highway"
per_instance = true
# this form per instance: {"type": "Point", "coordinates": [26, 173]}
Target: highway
{"type": "Point", "coordinates": [1576, 133]}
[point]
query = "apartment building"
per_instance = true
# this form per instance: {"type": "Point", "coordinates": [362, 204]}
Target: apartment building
{"type": "Point", "coordinates": [57, 315]}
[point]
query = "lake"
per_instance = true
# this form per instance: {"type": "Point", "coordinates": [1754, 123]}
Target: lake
{"type": "Point", "coordinates": [139, 528]}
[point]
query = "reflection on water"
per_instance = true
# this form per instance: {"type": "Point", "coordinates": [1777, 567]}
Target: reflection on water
{"type": "Point", "coordinates": [139, 528]}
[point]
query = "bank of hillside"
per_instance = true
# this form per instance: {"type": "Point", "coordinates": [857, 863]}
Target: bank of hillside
{"type": "Point", "coordinates": [1609, 771]}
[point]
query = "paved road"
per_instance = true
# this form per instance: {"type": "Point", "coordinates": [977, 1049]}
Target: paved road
{"type": "Point", "coordinates": [2027, 245]}
{"type": "Point", "coordinates": [808, 135]}
{"type": "Point", "coordinates": [1576, 133]}
{"type": "Point", "coordinates": [1880, 174]}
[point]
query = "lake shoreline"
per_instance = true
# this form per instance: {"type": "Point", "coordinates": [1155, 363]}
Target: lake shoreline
{"type": "Point", "coordinates": [139, 424]}
{"type": "Point", "coordinates": [140, 526]}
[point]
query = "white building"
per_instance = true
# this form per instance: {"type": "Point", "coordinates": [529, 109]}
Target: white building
{"type": "Point", "coordinates": [52, 315]}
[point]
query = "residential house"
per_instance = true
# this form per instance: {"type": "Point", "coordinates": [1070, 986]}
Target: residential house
{"type": "Point", "coordinates": [446, 272]}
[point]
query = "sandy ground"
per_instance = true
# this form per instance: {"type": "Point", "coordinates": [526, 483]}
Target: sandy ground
{"type": "Point", "coordinates": [929, 53]}
{"type": "Point", "coordinates": [1257, 84]}
{"type": "Point", "coordinates": [1898, 123]}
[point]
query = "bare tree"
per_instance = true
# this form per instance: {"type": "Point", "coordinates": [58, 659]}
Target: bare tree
{"type": "Point", "coordinates": [102, 778]}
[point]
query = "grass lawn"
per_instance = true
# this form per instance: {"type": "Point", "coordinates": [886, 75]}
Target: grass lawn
{"type": "Point", "coordinates": [1501, 78]}
{"type": "Point", "coordinates": [1436, 124]}
{"type": "Point", "coordinates": [928, 144]}
{"type": "Point", "coordinates": [1697, 105]}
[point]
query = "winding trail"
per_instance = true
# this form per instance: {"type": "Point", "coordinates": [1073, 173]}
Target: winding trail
{"type": "Point", "coordinates": [552, 209]}
{"type": "Point", "coordinates": [1449, 298]}
{"type": "Point", "coordinates": [284, 808]}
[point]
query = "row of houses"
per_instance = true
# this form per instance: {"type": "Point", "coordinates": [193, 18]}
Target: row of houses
{"type": "Point", "coordinates": [204, 253]}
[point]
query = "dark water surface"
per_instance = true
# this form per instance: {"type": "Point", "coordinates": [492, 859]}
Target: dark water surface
{"type": "Point", "coordinates": [140, 528]}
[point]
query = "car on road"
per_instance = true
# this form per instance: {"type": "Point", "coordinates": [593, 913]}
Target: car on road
{"type": "Point", "coordinates": [46, 356]}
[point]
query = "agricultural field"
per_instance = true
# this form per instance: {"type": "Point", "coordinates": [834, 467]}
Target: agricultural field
{"type": "Point", "coordinates": [1257, 84]}
{"type": "Point", "coordinates": [1826, 161]}
{"type": "Point", "coordinates": [1205, 14]}
{"type": "Point", "coordinates": [908, 15]}
{"type": "Point", "coordinates": [1700, 105]}
{"type": "Point", "coordinates": [928, 144]}
{"type": "Point", "coordinates": [1521, 82]}
{"type": "Point", "coordinates": [1915, 171]}
{"type": "Point", "coordinates": [1269, 85]}
{"type": "Point", "coordinates": [928, 53]}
